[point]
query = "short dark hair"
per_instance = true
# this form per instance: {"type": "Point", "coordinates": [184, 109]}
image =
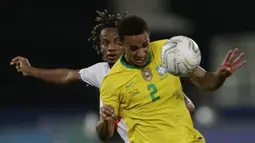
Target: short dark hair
{"type": "Point", "coordinates": [132, 25]}
{"type": "Point", "coordinates": [104, 20]}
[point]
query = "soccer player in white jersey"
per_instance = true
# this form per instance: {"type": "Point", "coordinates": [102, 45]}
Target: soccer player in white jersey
{"type": "Point", "coordinates": [106, 42]}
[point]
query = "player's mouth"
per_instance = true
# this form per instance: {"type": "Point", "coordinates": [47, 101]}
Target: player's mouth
{"type": "Point", "coordinates": [141, 60]}
{"type": "Point", "coordinates": [112, 56]}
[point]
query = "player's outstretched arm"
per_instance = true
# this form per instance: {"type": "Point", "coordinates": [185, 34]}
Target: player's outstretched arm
{"type": "Point", "coordinates": [105, 126]}
{"type": "Point", "coordinates": [58, 76]}
{"type": "Point", "coordinates": [109, 95]}
{"type": "Point", "coordinates": [212, 81]}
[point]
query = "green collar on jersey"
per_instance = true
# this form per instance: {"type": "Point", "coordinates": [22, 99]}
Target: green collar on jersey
{"type": "Point", "coordinates": [124, 62]}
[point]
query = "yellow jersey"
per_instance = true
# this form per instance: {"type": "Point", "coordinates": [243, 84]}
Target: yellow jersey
{"type": "Point", "coordinates": [150, 101]}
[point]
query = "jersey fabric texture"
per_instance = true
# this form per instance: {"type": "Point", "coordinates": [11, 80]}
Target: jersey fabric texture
{"type": "Point", "coordinates": [152, 109]}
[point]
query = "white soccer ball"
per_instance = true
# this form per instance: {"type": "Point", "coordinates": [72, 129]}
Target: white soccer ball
{"type": "Point", "coordinates": [180, 56]}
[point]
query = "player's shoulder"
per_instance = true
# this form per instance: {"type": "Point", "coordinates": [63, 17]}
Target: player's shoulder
{"type": "Point", "coordinates": [156, 48]}
{"type": "Point", "coordinates": [101, 66]}
{"type": "Point", "coordinates": [117, 73]}
{"type": "Point", "coordinates": [98, 69]}
{"type": "Point", "coordinates": [158, 43]}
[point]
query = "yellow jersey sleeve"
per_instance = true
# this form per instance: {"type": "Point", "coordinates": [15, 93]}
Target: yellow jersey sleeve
{"type": "Point", "coordinates": [156, 47]}
{"type": "Point", "coordinates": [109, 94]}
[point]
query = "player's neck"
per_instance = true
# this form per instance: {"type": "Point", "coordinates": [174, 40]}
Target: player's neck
{"type": "Point", "coordinates": [110, 65]}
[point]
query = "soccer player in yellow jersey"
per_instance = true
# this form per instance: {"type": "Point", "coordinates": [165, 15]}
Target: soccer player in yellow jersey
{"type": "Point", "coordinates": [149, 99]}
{"type": "Point", "coordinates": [105, 41]}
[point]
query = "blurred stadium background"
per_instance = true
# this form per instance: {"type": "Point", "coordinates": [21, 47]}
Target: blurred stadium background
{"type": "Point", "coordinates": [53, 34]}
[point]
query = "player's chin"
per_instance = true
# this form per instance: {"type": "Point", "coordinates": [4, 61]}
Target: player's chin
{"type": "Point", "coordinates": [112, 61]}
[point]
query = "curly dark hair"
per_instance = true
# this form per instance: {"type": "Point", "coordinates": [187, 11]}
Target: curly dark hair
{"type": "Point", "coordinates": [104, 20]}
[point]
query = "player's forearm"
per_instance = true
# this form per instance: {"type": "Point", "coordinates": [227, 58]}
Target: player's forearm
{"type": "Point", "coordinates": [105, 130]}
{"type": "Point", "coordinates": [58, 76]}
{"type": "Point", "coordinates": [207, 80]}
{"type": "Point", "coordinates": [210, 81]}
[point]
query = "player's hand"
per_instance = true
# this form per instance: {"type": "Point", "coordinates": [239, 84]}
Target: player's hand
{"type": "Point", "coordinates": [107, 112]}
{"type": "Point", "coordinates": [232, 62]}
{"type": "Point", "coordinates": [21, 64]}
{"type": "Point", "coordinates": [190, 106]}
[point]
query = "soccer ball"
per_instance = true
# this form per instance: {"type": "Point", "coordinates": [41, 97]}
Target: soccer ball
{"type": "Point", "coordinates": [180, 56]}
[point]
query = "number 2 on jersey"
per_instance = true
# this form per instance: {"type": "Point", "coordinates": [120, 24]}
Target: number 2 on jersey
{"type": "Point", "coordinates": [152, 87]}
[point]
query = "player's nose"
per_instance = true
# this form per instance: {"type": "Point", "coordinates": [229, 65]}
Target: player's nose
{"type": "Point", "coordinates": [142, 53]}
{"type": "Point", "coordinates": [111, 48]}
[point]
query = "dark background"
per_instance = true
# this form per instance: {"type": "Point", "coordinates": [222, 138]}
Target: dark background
{"type": "Point", "coordinates": [53, 34]}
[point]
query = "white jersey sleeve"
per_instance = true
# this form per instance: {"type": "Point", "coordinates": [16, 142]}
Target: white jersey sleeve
{"type": "Point", "coordinates": [94, 74]}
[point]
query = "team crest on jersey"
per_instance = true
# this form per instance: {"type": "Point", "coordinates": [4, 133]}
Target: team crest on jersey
{"type": "Point", "coordinates": [161, 71]}
{"type": "Point", "coordinates": [147, 74]}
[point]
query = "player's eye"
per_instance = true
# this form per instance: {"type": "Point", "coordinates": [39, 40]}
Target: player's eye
{"type": "Point", "coordinates": [118, 42]}
{"type": "Point", "coordinates": [133, 48]}
{"type": "Point", "coordinates": [145, 45]}
{"type": "Point", "coordinates": [105, 43]}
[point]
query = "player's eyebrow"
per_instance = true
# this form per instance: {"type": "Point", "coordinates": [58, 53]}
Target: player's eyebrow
{"type": "Point", "coordinates": [145, 43]}
{"type": "Point", "coordinates": [105, 39]}
{"type": "Point", "coordinates": [133, 47]}
{"type": "Point", "coordinates": [116, 38]}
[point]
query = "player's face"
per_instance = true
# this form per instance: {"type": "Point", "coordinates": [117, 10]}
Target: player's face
{"type": "Point", "coordinates": [137, 49]}
{"type": "Point", "coordinates": [110, 45]}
